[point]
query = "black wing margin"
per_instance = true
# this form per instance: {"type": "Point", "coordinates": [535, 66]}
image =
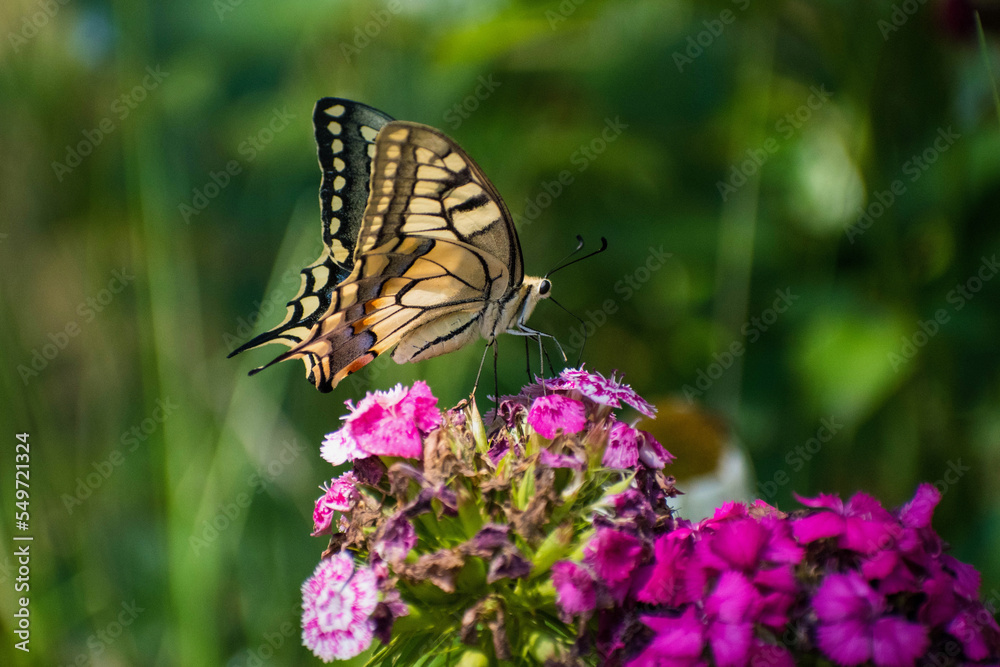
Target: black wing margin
{"type": "Point", "coordinates": [345, 137]}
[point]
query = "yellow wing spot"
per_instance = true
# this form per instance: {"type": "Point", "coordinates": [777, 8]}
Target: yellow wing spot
{"type": "Point", "coordinates": [428, 172]}
{"type": "Point", "coordinates": [369, 133]}
{"type": "Point", "coordinates": [371, 150]}
{"type": "Point", "coordinates": [399, 134]}
{"type": "Point", "coordinates": [454, 162]}
{"type": "Point", "coordinates": [322, 275]}
{"type": "Point", "coordinates": [337, 146]}
{"type": "Point", "coordinates": [392, 152]}
{"type": "Point", "coordinates": [383, 204]}
{"type": "Point", "coordinates": [336, 110]}
{"type": "Point", "coordinates": [427, 188]}
{"type": "Point", "coordinates": [426, 155]}
{"type": "Point", "coordinates": [416, 224]}
{"type": "Point", "coordinates": [390, 169]}
{"type": "Point", "coordinates": [339, 183]}
{"type": "Point", "coordinates": [310, 303]}
{"type": "Point", "coordinates": [340, 253]}
{"type": "Point", "coordinates": [334, 127]}
{"type": "Point", "coordinates": [336, 203]}
{"type": "Point", "coordinates": [338, 164]}
{"type": "Point", "coordinates": [424, 205]}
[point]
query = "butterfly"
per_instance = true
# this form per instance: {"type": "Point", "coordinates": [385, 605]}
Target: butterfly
{"type": "Point", "coordinates": [420, 252]}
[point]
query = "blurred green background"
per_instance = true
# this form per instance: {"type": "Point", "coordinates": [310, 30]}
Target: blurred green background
{"type": "Point", "coordinates": [801, 200]}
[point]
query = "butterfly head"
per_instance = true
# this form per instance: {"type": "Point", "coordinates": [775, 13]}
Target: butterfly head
{"type": "Point", "coordinates": [533, 290]}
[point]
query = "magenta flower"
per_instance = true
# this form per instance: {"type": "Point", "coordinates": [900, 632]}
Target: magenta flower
{"type": "Point", "coordinates": [340, 496]}
{"type": "Point", "coordinates": [601, 390]}
{"type": "Point", "coordinates": [560, 460]}
{"type": "Point", "coordinates": [730, 611]}
{"type": "Point", "coordinates": [861, 525]}
{"type": "Point", "coordinates": [552, 413]}
{"type": "Point", "coordinates": [613, 555]}
{"type": "Point", "coordinates": [663, 582]}
{"type": "Point", "coordinates": [855, 628]}
{"type": "Point", "coordinates": [385, 423]}
{"type": "Point", "coordinates": [627, 446]}
{"type": "Point", "coordinates": [575, 591]}
{"type": "Point", "coordinates": [337, 604]}
{"type": "Point", "coordinates": [678, 642]}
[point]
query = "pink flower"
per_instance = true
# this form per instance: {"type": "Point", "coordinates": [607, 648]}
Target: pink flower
{"type": "Point", "coordinates": [340, 496]}
{"type": "Point", "coordinates": [854, 627]}
{"type": "Point", "coordinates": [551, 413]}
{"type": "Point", "coordinates": [861, 525]}
{"type": "Point", "coordinates": [596, 387]}
{"type": "Point", "coordinates": [730, 610]}
{"type": "Point", "coordinates": [575, 590]}
{"type": "Point", "coordinates": [627, 446]}
{"type": "Point", "coordinates": [337, 604]}
{"type": "Point", "coordinates": [613, 555]}
{"type": "Point", "coordinates": [678, 642]}
{"type": "Point", "coordinates": [339, 448]}
{"type": "Point", "coordinates": [664, 580]}
{"type": "Point", "coordinates": [385, 423]}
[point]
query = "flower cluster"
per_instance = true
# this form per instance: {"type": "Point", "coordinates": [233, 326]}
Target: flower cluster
{"type": "Point", "coordinates": [547, 539]}
{"type": "Point", "coordinates": [851, 582]}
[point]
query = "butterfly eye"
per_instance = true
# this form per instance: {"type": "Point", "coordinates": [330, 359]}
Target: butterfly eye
{"type": "Point", "coordinates": [544, 287]}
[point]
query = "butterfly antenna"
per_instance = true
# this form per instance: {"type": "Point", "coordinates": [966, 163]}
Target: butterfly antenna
{"type": "Point", "coordinates": [604, 246]}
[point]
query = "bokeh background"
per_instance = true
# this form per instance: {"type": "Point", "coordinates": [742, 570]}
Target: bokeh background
{"type": "Point", "coordinates": [801, 201]}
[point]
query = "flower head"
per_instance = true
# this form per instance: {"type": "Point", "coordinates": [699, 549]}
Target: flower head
{"type": "Point", "coordinates": [339, 496]}
{"type": "Point", "coordinates": [855, 628]}
{"type": "Point", "coordinates": [337, 604]}
{"type": "Point", "coordinates": [550, 414]}
{"type": "Point", "coordinates": [385, 423]}
{"type": "Point", "coordinates": [575, 590]}
{"type": "Point", "coordinates": [601, 390]}
{"type": "Point", "coordinates": [627, 446]}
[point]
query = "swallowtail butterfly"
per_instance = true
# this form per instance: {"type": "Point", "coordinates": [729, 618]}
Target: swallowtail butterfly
{"type": "Point", "coordinates": [420, 252]}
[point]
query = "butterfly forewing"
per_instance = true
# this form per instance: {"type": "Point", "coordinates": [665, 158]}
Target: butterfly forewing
{"type": "Point", "coordinates": [345, 134]}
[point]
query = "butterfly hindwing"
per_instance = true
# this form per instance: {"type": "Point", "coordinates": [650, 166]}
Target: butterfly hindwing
{"type": "Point", "coordinates": [345, 134]}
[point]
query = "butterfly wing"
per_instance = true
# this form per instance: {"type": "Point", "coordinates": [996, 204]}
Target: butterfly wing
{"type": "Point", "coordinates": [345, 137]}
{"type": "Point", "coordinates": [436, 248]}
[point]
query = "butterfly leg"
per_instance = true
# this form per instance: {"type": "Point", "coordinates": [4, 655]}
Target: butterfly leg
{"type": "Point", "coordinates": [523, 330]}
{"type": "Point", "coordinates": [475, 385]}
